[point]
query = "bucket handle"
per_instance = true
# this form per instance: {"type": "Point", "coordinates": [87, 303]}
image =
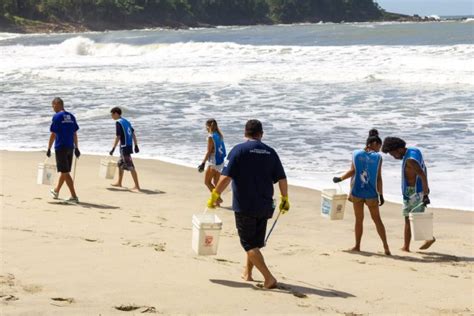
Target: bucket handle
{"type": "Point", "coordinates": [340, 187]}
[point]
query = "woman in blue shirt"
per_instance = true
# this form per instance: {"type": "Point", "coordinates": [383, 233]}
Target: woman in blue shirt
{"type": "Point", "coordinates": [366, 187]}
{"type": "Point", "coordinates": [214, 156]}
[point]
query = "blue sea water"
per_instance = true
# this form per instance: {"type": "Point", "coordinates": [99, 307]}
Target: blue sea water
{"type": "Point", "coordinates": [317, 88]}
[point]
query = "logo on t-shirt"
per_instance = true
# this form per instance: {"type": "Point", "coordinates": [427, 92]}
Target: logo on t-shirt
{"type": "Point", "coordinates": [260, 151]}
{"type": "Point", "coordinates": [67, 119]}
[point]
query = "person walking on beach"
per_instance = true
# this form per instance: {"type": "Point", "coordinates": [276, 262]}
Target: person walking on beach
{"type": "Point", "coordinates": [253, 167]}
{"type": "Point", "coordinates": [214, 156]}
{"type": "Point", "coordinates": [367, 187]}
{"type": "Point", "coordinates": [415, 188]}
{"type": "Point", "coordinates": [125, 134]}
{"type": "Point", "coordinates": [64, 136]}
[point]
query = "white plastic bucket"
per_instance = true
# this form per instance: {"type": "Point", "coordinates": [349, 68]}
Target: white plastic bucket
{"type": "Point", "coordinates": [107, 168]}
{"type": "Point", "coordinates": [46, 173]}
{"type": "Point", "coordinates": [333, 204]}
{"type": "Point", "coordinates": [206, 231]}
{"type": "Point", "coordinates": [421, 225]}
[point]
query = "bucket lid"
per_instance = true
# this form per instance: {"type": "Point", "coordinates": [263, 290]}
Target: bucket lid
{"type": "Point", "coordinates": [329, 192]}
{"type": "Point", "coordinates": [421, 215]}
{"type": "Point", "coordinates": [206, 219]}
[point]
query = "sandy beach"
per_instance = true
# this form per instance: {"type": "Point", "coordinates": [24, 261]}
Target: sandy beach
{"type": "Point", "coordinates": [123, 249]}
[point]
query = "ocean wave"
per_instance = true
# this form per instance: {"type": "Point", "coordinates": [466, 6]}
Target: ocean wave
{"type": "Point", "coordinates": [6, 36]}
{"type": "Point", "coordinates": [227, 62]}
{"type": "Point", "coordinates": [83, 46]}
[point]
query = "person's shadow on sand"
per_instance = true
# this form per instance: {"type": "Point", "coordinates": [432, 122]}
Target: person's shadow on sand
{"type": "Point", "coordinates": [427, 257]}
{"type": "Point", "coordinates": [295, 290]}
{"type": "Point", "coordinates": [144, 191]}
{"type": "Point", "coordinates": [86, 205]}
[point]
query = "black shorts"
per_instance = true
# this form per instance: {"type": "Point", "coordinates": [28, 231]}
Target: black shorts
{"type": "Point", "coordinates": [251, 230]}
{"type": "Point", "coordinates": [64, 159]}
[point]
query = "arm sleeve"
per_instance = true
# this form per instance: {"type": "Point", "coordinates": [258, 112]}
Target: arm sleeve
{"type": "Point", "coordinates": [231, 165]}
{"type": "Point", "coordinates": [278, 172]}
{"type": "Point", "coordinates": [76, 126]}
{"type": "Point", "coordinates": [54, 126]}
{"type": "Point", "coordinates": [118, 129]}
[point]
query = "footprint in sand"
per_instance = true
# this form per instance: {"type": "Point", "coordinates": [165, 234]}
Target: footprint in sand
{"type": "Point", "coordinates": [31, 288]}
{"type": "Point", "coordinates": [92, 240]}
{"type": "Point", "coordinates": [303, 305]}
{"type": "Point", "coordinates": [9, 298]}
{"type": "Point", "coordinates": [150, 309]}
{"type": "Point", "coordinates": [158, 247]}
{"type": "Point", "coordinates": [286, 289]}
{"type": "Point", "coordinates": [127, 308]}
{"type": "Point", "coordinates": [8, 280]}
{"type": "Point", "coordinates": [62, 301]}
{"type": "Point", "coordinates": [130, 308]}
{"type": "Point", "coordinates": [225, 261]}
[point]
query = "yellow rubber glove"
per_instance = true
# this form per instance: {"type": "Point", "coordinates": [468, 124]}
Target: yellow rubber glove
{"type": "Point", "coordinates": [284, 204]}
{"type": "Point", "coordinates": [211, 203]}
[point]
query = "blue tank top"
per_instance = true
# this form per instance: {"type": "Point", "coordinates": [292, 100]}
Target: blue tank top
{"type": "Point", "coordinates": [127, 132]}
{"type": "Point", "coordinates": [364, 181]}
{"type": "Point", "coordinates": [415, 154]}
{"type": "Point", "coordinates": [219, 148]}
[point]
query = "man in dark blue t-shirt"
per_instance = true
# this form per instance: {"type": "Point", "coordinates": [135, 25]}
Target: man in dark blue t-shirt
{"type": "Point", "coordinates": [253, 168]}
{"type": "Point", "coordinates": [64, 136]}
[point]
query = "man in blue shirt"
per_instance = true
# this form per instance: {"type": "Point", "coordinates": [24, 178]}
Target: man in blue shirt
{"type": "Point", "coordinates": [253, 168]}
{"type": "Point", "coordinates": [415, 189]}
{"type": "Point", "coordinates": [125, 134]}
{"type": "Point", "coordinates": [64, 136]}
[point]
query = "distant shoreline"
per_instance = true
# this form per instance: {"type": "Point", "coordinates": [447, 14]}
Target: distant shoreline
{"type": "Point", "coordinates": [25, 26]}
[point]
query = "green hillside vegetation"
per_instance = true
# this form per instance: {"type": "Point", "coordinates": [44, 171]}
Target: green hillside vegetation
{"type": "Point", "coordinates": [114, 14]}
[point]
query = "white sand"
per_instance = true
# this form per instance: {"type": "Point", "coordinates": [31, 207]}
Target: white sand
{"type": "Point", "coordinates": [122, 248]}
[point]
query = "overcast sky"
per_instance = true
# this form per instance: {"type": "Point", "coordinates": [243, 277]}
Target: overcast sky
{"type": "Point", "coordinates": [429, 7]}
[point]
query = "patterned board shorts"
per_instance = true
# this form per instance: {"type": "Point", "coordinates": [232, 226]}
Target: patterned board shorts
{"type": "Point", "coordinates": [125, 162]}
{"type": "Point", "coordinates": [415, 203]}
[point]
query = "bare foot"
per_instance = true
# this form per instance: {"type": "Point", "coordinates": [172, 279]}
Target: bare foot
{"type": "Point", "coordinates": [387, 252]}
{"type": "Point", "coordinates": [247, 277]}
{"type": "Point", "coordinates": [428, 244]}
{"type": "Point", "coordinates": [405, 249]}
{"type": "Point", "coordinates": [270, 284]}
{"type": "Point", "coordinates": [119, 185]}
{"type": "Point", "coordinates": [135, 189]}
{"type": "Point", "coordinates": [357, 249]}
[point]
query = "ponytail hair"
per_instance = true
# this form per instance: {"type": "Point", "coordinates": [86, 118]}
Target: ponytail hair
{"type": "Point", "coordinates": [373, 137]}
{"type": "Point", "coordinates": [212, 124]}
